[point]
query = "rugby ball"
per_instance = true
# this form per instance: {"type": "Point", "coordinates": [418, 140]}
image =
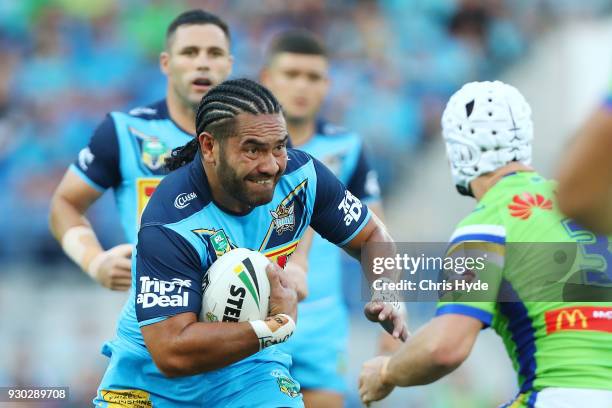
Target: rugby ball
{"type": "Point", "coordinates": [236, 288]}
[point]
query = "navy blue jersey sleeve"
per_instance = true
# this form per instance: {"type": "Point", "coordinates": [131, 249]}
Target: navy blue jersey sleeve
{"type": "Point", "coordinates": [98, 163]}
{"type": "Point", "coordinates": [338, 215]}
{"type": "Point", "coordinates": [364, 181]}
{"type": "Point", "coordinates": [168, 275]}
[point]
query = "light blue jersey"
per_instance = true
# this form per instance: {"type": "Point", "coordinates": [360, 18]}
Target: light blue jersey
{"type": "Point", "coordinates": [176, 246]}
{"type": "Point", "coordinates": [319, 344]}
{"type": "Point", "coordinates": [127, 153]}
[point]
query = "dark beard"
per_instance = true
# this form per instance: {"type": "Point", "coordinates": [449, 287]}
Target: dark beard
{"type": "Point", "coordinates": [235, 186]}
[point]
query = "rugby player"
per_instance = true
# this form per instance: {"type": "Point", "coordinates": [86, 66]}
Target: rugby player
{"type": "Point", "coordinates": [561, 350]}
{"type": "Point", "coordinates": [236, 184]}
{"type": "Point", "coordinates": [127, 150]}
{"type": "Point", "coordinates": [585, 177]}
{"type": "Point", "coordinates": [296, 71]}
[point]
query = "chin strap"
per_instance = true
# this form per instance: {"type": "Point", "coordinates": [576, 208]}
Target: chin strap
{"type": "Point", "coordinates": [466, 191]}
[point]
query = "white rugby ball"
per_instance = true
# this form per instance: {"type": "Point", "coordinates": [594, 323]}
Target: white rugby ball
{"type": "Point", "coordinates": [236, 288]}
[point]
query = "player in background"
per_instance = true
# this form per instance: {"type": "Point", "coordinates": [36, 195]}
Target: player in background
{"type": "Point", "coordinates": [296, 71]}
{"type": "Point", "coordinates": [235, 185]}
{"type": "Point", "coordinates": [585, 177]}
{"type": "Point", "coordinates": [562, 351]}
{"type": "Point", "coordinates": [127, 150]}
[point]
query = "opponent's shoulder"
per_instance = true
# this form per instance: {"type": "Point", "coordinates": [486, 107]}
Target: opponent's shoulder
{"type": "Point", "coordinates": [175, 198]}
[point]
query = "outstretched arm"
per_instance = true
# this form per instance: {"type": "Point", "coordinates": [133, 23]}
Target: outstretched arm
{"type": "Point", "coordinates": [433, 352]}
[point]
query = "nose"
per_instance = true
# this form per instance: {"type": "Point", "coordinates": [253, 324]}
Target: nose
{"type": "Point", "coordinates": [302, 82]}
{"type": "Point", "coordinates": [203, 61]}
{"type": "Point", "coordinates": [268, 165]}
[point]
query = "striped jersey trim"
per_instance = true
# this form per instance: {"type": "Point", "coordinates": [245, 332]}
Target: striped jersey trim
{"type": "Point", "coordinates": [480, 232]}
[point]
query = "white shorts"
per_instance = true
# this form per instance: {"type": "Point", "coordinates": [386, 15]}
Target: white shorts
{"type": "Point", "coordinates": [573, 398]}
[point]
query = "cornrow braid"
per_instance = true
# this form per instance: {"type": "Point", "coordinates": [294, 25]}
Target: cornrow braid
{"type": "Point", "coordinates": [218, 110]}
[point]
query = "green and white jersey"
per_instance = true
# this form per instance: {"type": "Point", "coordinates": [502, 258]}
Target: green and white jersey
{"type": "Point", "coordinates": [552, 341]}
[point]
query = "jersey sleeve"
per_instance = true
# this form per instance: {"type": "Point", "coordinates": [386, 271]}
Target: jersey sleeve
{"type": "Point", "coordinates": [475, 254]}
{"type": "Point", "coordinates": [168, 275]}
{"type": "Point", "coordinates": [338, 215]}
{"type": "Point", "coordinates": [98, 163]}
{"type": "Point", "coordinates": [363, 183]}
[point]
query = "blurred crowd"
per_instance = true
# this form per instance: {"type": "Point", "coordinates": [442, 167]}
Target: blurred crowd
{"type": "Point", "coordinates": [65, 63]}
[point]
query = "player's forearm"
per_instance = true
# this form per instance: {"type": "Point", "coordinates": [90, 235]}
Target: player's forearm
{"type": "Point", "coordinates": [378, 244]}
{"type": "Point", "coordinates": [202, 347]}
{"type": "Point", "coordinates": [73, 231]}
{"type": "Point", "coordinates": [423, 359]}
{"type": "Point", "coordinates": [63, 215]}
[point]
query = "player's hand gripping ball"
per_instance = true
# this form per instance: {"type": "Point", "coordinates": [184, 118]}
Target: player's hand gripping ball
{"type": "Point", "coordinates": [236, 288]}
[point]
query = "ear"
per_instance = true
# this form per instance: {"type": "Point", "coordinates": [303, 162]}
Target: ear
{"type": "Point", "coordinates": [164, 62]}
{"type": "Point", "coordinates": [208, 145]}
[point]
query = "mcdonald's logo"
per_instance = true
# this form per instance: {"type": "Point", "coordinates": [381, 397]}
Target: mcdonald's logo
{"type": "Point", "coordinates": [571, 318]}
{"type": "Point", "coordinates": [578, 318]}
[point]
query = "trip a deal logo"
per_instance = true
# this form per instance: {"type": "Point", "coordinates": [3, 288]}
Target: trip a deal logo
{"type": "Point", "coordinates": [591, 318]}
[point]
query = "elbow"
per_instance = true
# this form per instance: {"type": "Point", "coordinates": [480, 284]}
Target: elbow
{"type": "Point", "coordinates": [174, 365]}
{"type": "Point", "coordinates": [448, 357]}
{"type": "Point", "coordinates": [171, 366]}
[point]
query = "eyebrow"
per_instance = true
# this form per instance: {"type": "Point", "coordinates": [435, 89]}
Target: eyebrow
{"type": "Point", "coordinates": [256, 142]}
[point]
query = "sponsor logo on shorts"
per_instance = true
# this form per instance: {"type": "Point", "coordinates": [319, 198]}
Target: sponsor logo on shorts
{"type": "Point", "coordinates": [126, 398]}
{"type": "Point", "coordinates": [286, 384]}
{"type": "Point", "coordinates": [182, 200]}
{"type": "Point", "coordinates": [155, 292]}
{"type": "Point", "coordinates": [591, 318]}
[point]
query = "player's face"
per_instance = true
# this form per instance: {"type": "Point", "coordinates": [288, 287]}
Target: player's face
{"type": "Point", "coordinates": [197, 59]}
{"type": "Point", "coordinates": [300, 83]}
{"type": "Point", "coordinates": [251, 163]}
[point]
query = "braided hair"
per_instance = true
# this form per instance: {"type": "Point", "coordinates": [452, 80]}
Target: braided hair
{"type": "Point", "coordinates": [217, 112]}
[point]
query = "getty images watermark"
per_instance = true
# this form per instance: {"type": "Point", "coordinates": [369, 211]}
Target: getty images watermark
{"type": "Point", "coordinates": [405, 263]}
{"type": "Point", "coordinates": [485, 272]}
